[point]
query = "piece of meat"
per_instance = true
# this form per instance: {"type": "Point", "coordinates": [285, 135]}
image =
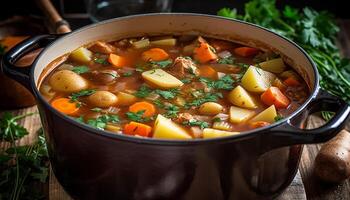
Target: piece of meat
{"type": "Point", "coordinates": [182, 66]}
{"type": "Point", "coordinates": [183, 117]}
{"type": "Point", "coordinates": [196, 132]}
{"type": "Point", "coordinates": [102, 47]}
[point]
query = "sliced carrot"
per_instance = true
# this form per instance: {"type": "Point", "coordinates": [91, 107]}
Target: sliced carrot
{"type": "Point", "coordinates": [65, 106]}
{"type": "Point", "coordinates": [116, 60]}
{"type": "Point", "coordinates": [155, 54]}
{"type": "Point", "coordinates": [135, 128]}
{"type": "Point", "coordinates": [246, 51]}
{"type": "Point", "coordinates": [208, 72]}
{"type": "Point", "coordinates": [291, 81]}
{"type": "Point", "coordinates": [203, 53]}
{"type": "Point", "coordinates": [274, 96]}
{"type": "Point", "coordinates": [221, 45]}
{"type": "Point", "coordinates": [149, 108]}
{"type": "Point", "coordinates": [258, 124]}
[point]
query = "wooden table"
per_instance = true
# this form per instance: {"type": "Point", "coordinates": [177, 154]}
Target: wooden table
{"type": "Point", "coordinates": [304, 186]}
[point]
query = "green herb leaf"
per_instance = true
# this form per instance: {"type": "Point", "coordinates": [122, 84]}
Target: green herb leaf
{"type": "Point", "coordinates": [278, 118]}
{"type": "Point", "coordinates": [225, 83]}
{"type": "Point", "coordinates": [161, 64]}
{"type": "Point", "coordinates": [171, 111]}
{"type": "Point", "coordinates": [143, 92]}
{"type": "Point", "coordinates": [80, 69]}
{"type": "Point", "coordinates": [138, 116]}
{"type": "Point", "coordinates": [101, 122]}
{"type": "Point", "coordinates": [228, 60]}
{"type": "Point", "coordinates": [127, 74]}
{"type": "Point", "coordinates": [102, 61]}
{"type": "Point", "coordinates": [206, 97]}
{"type": "Point", "coordinates": [186, 80]}
{"type": "Point", "coordinates": [194, 122]}
{"type": "Point", "coordinates": [74, 96]}
{"type": "Point", "coordinates": [227, 12]}
{"type": "Point", "coordinates": [168, 94]}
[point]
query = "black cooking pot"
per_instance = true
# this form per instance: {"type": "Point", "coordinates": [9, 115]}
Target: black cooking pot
{"type": "Point", "coordinates": [95, 164]}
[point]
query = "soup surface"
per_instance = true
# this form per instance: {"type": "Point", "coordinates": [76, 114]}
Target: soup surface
{"type": "Point", "coordinates": [174, 87]}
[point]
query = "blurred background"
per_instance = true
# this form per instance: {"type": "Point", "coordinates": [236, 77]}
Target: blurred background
{"type": "Point", "coordinates": [76, 13]}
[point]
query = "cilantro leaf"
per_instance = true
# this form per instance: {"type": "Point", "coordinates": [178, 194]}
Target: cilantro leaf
{"type": "Point", "coordinates": [143, 92]}
{"type": "Point", "coordinates": [137, 116]}
{"type": "Point", "coordinates": [207, 97]}
{"type": "Point", "coordinates": [194, 122]}
{"type": "Point", "coordinates": [101, 122]}
{"type": "Point", "coordinates": [80, 69]}
{"type": "Point", "coordinates": [227, 12]}
{"type": "Point", "coordinates": [225, 83]}
{"type": "Point", "coordinates": [171, 111]}
{"type": "Point", "coordinates": [168, 94]}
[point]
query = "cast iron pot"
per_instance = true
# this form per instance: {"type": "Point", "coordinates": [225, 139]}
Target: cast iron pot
{"type": "Point", "coordinates": [257, 164]}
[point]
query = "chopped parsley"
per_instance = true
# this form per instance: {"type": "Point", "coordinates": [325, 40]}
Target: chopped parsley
{"type": "Point", "coordinates": [194, 122]}
{"type": "Point", "coordinates": [186, 80]}
{"type": "Point", "coordinates": [225, 83]}
{"type": "Point", "coordinates": [143, 92]}
{"type": "Point", "coordinates": [102, 61]}
{"type": "Point", "coordinates": [168, 94]}
{"type": "Point", "coordinates": [216, 119]}
{"type": "Point", "coordinates": [229, 60]}
{"type": "Point", "coordinates": [80, 69]}
{"type": "Point", "coordinates": [207, 97]}
{"type": "Point", "coordinates": [101, 122]}
{"type": "Point", "coordinates": [161, 64]}
{"type": "Point", "coordinates": [171, 111]}
{"type": "Point", "coordinates": [74, 96]}
{"type": "Point", "coordinates": [137, 116]}
{"type": "Point", "coordinates": [127, 74]}
{"type": "Point", "coordinates": [158, 103]}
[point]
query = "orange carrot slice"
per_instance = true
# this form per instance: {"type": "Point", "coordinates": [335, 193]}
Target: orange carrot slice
{"type": "Point", "coordinates": [208, 72]}
{"type": "Point", "coordinates": [292, 82]}
{"type": "Point", "coordinates": [246, 51]}
{"type": "Point", "coordinates": [149, 108]}
{"type": "Point", "coordinates": [204, 53]}
{"type": "Point", "coordinates": [135, 128]}
{"type": "Point", "coordinates": [64, 105]}
{"type": "Point", "coordinates": [155, 54]}
{"type": "Point", "coordinates": [274, 96]}
{"type": "Point", "coordinates": [116, 60]}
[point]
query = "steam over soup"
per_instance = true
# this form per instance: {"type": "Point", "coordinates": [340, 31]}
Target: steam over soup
{"type": "Point", "coordinates": [174, 87]}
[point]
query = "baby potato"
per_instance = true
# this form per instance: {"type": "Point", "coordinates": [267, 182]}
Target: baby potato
{"type": "Point", "coordinates": [210, 108]}
{"type": "Point", "coordinates": [125, 99]}
{"type": "Point", "coordinates": [103, 99]}
{"type": "Point", "coordinates": [67, 81]}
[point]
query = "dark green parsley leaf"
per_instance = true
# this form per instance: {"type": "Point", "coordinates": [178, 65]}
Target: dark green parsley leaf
{"type": "Point", "coordinates": [102, 61]}
{"type": "Point", "coordinates": [225, 83]}
{"type": "Point", "coordinates": [186, 80]}
{"type": "Point", "coordinates": [291, 13]}
{"type": "Point", "coordinates": [138, 116]}
{"type": "Point", "coordinates": [168, 94]}
{"type": "Point", "coordinates": [80, 69]}
{"type": "Point", "coordinates": [74, 96]}
{"type": "Point", "coordinates": [159, 103]}
{"type": "Point", "coordinates": [207, 97]}
{"type": "Point", "coordinates": [101, 122]}
{"type": "Point", "coordinates": [194, 122]}
{"type": "Point", "coordinates": [228, 12]}
{"type": "Point", "coordinates": [161, 64]}
{"type": "Point", "coordinates": [171, 111]}
{"type": "Point", "coordinates": [228, 60]}
{"type": "Point", "coordinates": [143, 92]}
{"type": "Point", "coordinates": [79, 119]}
{"type": "Point", "coordinates": [216, 119]}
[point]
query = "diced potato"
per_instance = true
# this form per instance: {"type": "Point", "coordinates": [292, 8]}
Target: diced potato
{"type": "Point", "coordinates": [257, 80]}
{"type": "Point", "coordinates": [164, 42]}
{"type": "Point", "coordinates": [238, 115]}
{"type": "Point", "coordinates": [67, 81]}
{"type": "Point", "coordinates": [161, 79]}
{"type": "Point", "coordinates": [213, 133]}
{"type": "Point", "coordinates": [179, 101]}
{"type": "Point", "coordinates": [240, 97]}
{"type": "Point", "coordinates": [267, 115]}
{"type": "Point", "coordinates": [166, 129]}
{"type": "Point", "coordinates": [81, 55]}
{"type": "Point", "coordinates": [141, 44]}
{"type": "Point", "coordinates": [222, 126]}
{"type": "Point", "coordinates": [210, 108]}
{"type": "Point", "coordinates": [125, 99]}
{"type": "Point", "coordinates": [275, 65]}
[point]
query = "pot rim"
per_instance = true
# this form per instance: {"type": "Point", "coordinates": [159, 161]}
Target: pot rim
{"type": "Point", "coordinates": [153, 141]}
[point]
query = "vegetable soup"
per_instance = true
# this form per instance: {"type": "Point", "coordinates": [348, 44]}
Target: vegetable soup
{"type": "Point", "coordinates": [174, 87]}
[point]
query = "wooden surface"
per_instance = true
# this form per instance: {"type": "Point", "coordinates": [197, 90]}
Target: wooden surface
{"type": "Point", "coordinates": [304, 186]}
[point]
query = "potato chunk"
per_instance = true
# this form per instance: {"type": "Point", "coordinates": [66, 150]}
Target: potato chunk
{"type": "Point", "coordinates": [210, 108]}
{"type": "Point", "coordinates": [103, 99]}
{"type": "Point", "coordinates": [238, 115]}
{"type": "Point", "coordinates": [125, 99]}
{"type": "Point", "coordinates": [166, 129]}
{"type": "Point", "coordinates": [267, 115]}
{"type": "Point", "coordinates": [257, 80]}
{"type": "Point", "coordinates": [275, 65]}
{"type": "Point", "coordinates": [67, 81]}
{"type": "Point", "coordinates": [213, 133]}
{"type": "Point", "coordinates": [161, 79]}
{"type": "Point", "coordinates": [240, 97]}
{"type": "Point", "coordinates": [81, 55]}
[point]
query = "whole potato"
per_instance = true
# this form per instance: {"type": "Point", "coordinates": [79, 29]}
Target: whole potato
{"type": "Point", "coordinates": [67, 81]}
{"type": "Point", "coordinates": [332, 163]}
{"type": "Point", "coordinates": [103, 99]}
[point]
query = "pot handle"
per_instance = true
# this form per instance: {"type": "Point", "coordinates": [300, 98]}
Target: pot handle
{"type": "Point", "coordinates": [21, 74]}
{"type": "Point", "coordinates": [286, 134]}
